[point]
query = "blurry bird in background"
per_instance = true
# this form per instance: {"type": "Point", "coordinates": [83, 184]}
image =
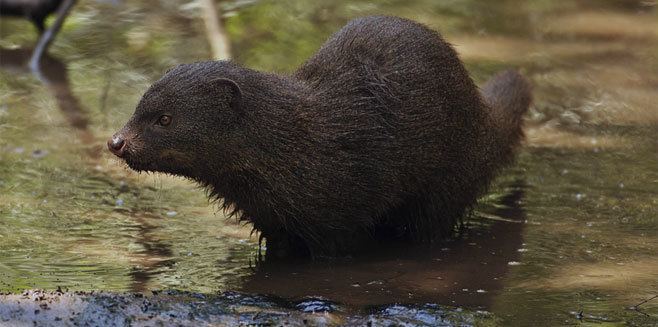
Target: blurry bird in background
{"type": "Point", "coordinates": [35, 10]}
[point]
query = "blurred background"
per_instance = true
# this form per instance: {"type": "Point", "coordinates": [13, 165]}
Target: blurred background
{"type": "Point", "coordinates": [569, 233]}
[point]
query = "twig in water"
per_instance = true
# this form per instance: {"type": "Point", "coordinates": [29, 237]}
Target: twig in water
{"type": "Point", "coordinates": [637, 306]}
{"type": "Point", "coordinates": [645, 301]}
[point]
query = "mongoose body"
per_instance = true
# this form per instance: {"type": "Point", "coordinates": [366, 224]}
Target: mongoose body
{"type": "Point", "coordinates": [380, 135]}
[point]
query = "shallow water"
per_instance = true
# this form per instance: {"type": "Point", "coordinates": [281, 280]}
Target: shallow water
{"type": "Point", "coordinates": [567, 235]}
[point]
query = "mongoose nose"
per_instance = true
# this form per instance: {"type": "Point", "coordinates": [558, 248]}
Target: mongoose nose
{"type": "Point", "coordinates": [117, 145]}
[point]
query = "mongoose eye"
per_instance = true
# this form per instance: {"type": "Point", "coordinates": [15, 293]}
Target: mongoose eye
{"type": "Point", "coordinates": [164, 120]}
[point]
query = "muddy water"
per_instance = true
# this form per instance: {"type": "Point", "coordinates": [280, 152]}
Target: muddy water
{"type": "Point", "coordinates": [567, 235]}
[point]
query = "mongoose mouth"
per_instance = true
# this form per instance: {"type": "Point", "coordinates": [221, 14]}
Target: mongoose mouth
{"type": "Point", "coordinates": [168, 162]}
{"type": "Point", "coordinates": [139, 166]}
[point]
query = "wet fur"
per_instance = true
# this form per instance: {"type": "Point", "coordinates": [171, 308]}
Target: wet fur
{"type": "Point", "coordinates": [380, 135]}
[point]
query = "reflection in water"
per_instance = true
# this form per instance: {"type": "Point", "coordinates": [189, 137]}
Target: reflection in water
{"type": "Point", "coordinates": [468, 271]}
{"type": "Point", "coordinates": [155, 254]}
{"type": "Point", "coordinates": [55, 79]}
{"type": "Point", "coordinates": [53, 74]}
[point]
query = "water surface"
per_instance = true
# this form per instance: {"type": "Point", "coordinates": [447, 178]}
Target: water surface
{"type": "Point", "coordinates": [567, 235]}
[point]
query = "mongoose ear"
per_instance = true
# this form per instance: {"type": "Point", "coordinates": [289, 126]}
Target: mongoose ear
{"type": "Point", "coordinates": [235, 98]}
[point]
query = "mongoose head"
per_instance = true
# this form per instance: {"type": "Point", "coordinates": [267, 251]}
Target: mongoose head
{"type": "Point", "coordinates": [184, 121]}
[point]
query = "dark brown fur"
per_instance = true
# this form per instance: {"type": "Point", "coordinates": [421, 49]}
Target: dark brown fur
{"type": "Point", "coordinates": [380, 135]}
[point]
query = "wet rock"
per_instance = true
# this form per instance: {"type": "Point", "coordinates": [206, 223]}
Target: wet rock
{"type": "Point", "coordinates": [316, 305]}
{"type": "Point", "coordinates": [426, 315]}
{"type": "Point", "coordinates": [178, 308]}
